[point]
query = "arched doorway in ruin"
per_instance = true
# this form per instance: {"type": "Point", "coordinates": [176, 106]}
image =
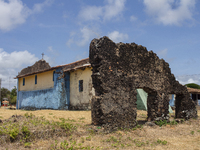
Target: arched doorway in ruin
{"type": "Point", "coordinates": [157, 105]}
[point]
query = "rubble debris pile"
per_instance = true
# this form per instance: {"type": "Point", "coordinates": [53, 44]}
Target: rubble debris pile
{"type": "Point", "coordinates": [118, 70]}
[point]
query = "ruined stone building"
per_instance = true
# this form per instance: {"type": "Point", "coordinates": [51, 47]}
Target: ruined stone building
{"type": "Point", "coordinates": [118, 70]}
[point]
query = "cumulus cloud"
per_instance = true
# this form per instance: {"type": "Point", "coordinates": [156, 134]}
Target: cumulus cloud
{"type": "Point", "coordinates": [86, 35]}
{"type": "Point", "coordinates": [170, 12]}
{"type": "Point", "coordinates": [12, 63]}
{"type": "Point", "coordinates": [185, 79]}
{"type": "Point", "coordinates": [16, 59]}
{"type": "Point", "coordinates": [14, 13]}
{"type": "Point", "coordinates": [113, 8]}
{"type": "Point", "coordinates": [91, 13]}
{"type": "Point", "coordinates": [117, 37]}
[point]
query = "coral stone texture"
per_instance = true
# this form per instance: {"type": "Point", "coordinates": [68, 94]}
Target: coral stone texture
{"type": "Point", "coordinates": [118, 70]}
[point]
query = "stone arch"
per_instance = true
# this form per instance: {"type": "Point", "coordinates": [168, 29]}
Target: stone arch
{"type": "Point", "coordinates": [118, 70]}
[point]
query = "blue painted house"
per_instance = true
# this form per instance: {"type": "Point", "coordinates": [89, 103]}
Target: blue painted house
{"type": "Point", "coordinates": [62, 87]}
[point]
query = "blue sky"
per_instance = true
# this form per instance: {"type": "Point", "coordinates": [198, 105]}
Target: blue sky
{"type": "Point", "coordinates": [63, 29]}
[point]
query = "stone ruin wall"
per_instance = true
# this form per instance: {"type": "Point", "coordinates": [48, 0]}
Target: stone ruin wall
{"type": "Point", "coordinates": [118, 70]}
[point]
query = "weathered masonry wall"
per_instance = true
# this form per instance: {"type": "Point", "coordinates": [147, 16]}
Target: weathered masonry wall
{"type": "Point", "coordinates": [118, 70]}
{"type": "Point", "coordinates": [80, 100]}
{"type": "Point", "coordinates": [44, 81]}
{"type": "Point", "coordinates": [52, 98]}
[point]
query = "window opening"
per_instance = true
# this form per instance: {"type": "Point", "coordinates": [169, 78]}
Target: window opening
{"type": "Point", "coordinates": [35, 79]}
{"type": "Point", "coordinates": [80, 85]}
{"type": "Point", "coordinates": [23, 81]}
{"type": "Point", "coordinates": [53, 75]}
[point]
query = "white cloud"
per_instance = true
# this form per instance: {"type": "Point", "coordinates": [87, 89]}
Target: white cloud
{"type": "Point", "coordinates": [112, 9]}
{"type": "Point", "coordinates": [91, 13]}
{"type": "Point", "coordinates": [185, 79]}
{"type": "Point", "coordinates": [117, 37]}
{"type": "Point", "coordinates": [170, 12]}
{"type": "Point", "coordinates": [133, 18]}
{"type": "Point", "coordinates": [87, 35]}
{"type": "Point", "coordinates": [12, 63]}
{"type": "Point", "coordinates": [16, 59]}
{"type": "Point", "coordinates": [14, 13]}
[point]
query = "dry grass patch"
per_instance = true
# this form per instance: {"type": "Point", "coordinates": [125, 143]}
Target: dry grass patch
{"type": "Point", "coordinates": [184, 135]}
{"type": "Point", "coordinates": [83, 116]}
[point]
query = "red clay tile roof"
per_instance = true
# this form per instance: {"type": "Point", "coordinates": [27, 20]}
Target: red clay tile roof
{"type": "Point", "coordinates": [193, 91]}
{"type": "Point", "coordinates": [68, 67]}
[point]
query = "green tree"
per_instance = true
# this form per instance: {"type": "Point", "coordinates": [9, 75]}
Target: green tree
{"type": "Point", "coordinates": [193, 85]}
{"type": "Point", "coordinates": [5, 93]}
{"type": "Point", "coordinates": [13, 100]}
{"type": "Point", "coordinates": [10, 95]}
{"type": "Point", "coordinates": [13, 92]}
{"type": "Point", "coordinates": [13, 95]}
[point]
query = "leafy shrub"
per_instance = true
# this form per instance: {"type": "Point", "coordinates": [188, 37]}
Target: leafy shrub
{"type": "Point", "coordinates": [27, 145]}
{"type": "Point", "coordinates": [26, 132]}
{"type": "Point", "coordinates": [161, 122]}
{"type": "Point", "coordinates": [192, 132]}
{"type": "Point", "coordinates": [165, 122]}
{"type": "Point", "coordinates": [13, 133]}
{"type": "Point", "coordinates": [161, 142]}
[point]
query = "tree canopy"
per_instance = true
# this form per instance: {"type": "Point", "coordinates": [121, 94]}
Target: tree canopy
{"type": "Point", "coordinates": [10, 95]}
{"type": "Point", "coordinates": [193, 85]}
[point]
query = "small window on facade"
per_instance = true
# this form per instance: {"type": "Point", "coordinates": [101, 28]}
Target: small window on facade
{"type": "Point", "coordinates": [23, 81]}
{"type": "Point", "coordinates": [53, 75]}
{"type": "Point", "coordinates": [35, 79]}
{"type": "Point", "coordinates": [80, 85]}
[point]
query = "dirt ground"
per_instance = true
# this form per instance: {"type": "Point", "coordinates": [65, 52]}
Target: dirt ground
{"type": "Point", "coordinates": [182, 136]}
